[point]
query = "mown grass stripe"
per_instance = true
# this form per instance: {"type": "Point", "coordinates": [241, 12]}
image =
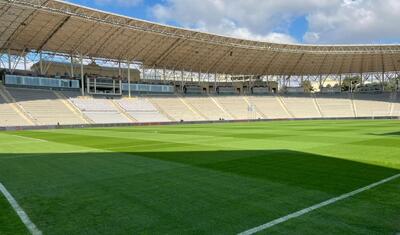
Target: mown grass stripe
{"type": "Point", "coordinates": [20, 212]}
{"type": "Point", "coordinates": [316, 206]}
{"type": "Point", "coordinates": [29, 138]}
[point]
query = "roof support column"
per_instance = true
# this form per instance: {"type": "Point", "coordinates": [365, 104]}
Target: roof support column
{"type": "Point", "coordinates": [302, 80]}
{"type": "Point", "coordinates": [72, 67]}
{"type": "Point", "coordinates": [280, 82]}
{"type": "Point", "coordinates": [9, 60]}
{"type": "Point", "coordinates": [129, 79]}
{"type": "Point", "coordinates": [320, 82]}
{"type": "Point", "coordinates": [351, 83]}
{"type": "Point", "coordinates": [208, 83]}
{"type": "Point", "coordinates": [16, 62]}
{"type": "Point", "coordinates": [143, 73]}
{"type": "Point", "coordinates": [1, 61]}
{"type": "Point", "coordinates": [215, 82]}
{"type": "Point", "coordinates": [383, 72]}
{"type": "Point", "coordinates": [164, 75]}
{"type": "Point", "coordinates": [182, 83]}
{"type": "Point", "coordinates": [40, 63]}
{"type": "Point", "coordinates": [25, 67]}
{"type": "Point", "coordinates": [82, 77]}
{"type": "Point", "coordinates": [200, 77]}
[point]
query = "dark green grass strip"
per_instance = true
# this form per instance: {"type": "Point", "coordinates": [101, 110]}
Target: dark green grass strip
{"type": "Point", "coordinates": [10, 223]}
{"type": "Point", "coordinates": [306, 170]}
{"type": "Point", "coordinates": [180, 192]}
{"type": "Point", "coordinates": [375, 211]}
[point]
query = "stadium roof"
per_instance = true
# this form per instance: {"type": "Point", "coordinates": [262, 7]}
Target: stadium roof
{"type": "Point", "coordinates": [61, 27]}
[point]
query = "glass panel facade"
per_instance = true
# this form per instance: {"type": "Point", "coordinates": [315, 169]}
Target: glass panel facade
{"type": "Point", "coordinates": [41, 82]}
{"type": "Point", "coordinates": [149, 88]}
{"type": "Point", "coordinates": [65, 83]}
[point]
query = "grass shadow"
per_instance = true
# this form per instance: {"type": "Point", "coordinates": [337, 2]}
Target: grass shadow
{"type": "Point", "coordinates": [300, 169]}
{"type": "Point", "coordinates": [196, 192]}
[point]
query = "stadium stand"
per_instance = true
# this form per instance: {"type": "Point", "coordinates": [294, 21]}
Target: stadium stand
{"type": "Point", "coordinates": [335, 105]}
{"type": "Point", "coordinates": [269, 106]}
{"type": "Point", "coordinates": [10, 115]}
{"type": "Point", "coordinates": [237, 107]}
{"type": "Point", "coordinates": [68, 103]}
{"type": "Point", "coordinates": [395, 109]}
{"type": "Point", "coordinates": [301, 106]}
{"type": "Point", "coordinates": [207, 108]}
{"type": "Point", "coordinates": [44, 107]}
{"type": "Point", "coordinates": [192, 108]}
{"type": "Point", "coordinates": [142, 110]}
{"type": "Point", "coordinates": [25, 107]}
{"type": "Point", "coordinates": [122, 111]}
{"type": "Point", "coordinates": [100, 111]}
{"type": "Point", "coordinates": [70, 94]}
{"type": "Point", "coordinates": [173, 107]}
{"type": "Point", "coordinates": [372, 105]}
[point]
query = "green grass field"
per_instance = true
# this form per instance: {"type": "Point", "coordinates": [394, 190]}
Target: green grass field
{"type": "Point", "coordinates": [203, 179]}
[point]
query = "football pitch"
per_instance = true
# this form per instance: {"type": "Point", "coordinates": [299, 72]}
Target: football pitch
{"type": "Point", "coordinates": [204, 179]}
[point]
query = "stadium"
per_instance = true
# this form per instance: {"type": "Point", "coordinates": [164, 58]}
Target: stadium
{"type": "Point", "coordinates": [115, 125]}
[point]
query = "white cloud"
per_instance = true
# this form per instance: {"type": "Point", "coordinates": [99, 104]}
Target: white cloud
{"type": "Point", "coordinates": [230, 28]}
{"type": "Point", "coordinates": [123, 3]}
{"type": "Point", "coordinates": [251, 19]}
{"type": "Point", "coordinates": [357, 21]}
{"type": "Point", "coordinates": [21, 66]}
{"type": "Point", "coordinates": [330, 21]}
{"type": "Point", "coordinates": [311, 37]}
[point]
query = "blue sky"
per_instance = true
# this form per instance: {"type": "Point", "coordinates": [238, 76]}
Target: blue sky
{"type": "Point", "coordinates": [140, 10]}
{"type": "Point", "coordinates": [287, 21]}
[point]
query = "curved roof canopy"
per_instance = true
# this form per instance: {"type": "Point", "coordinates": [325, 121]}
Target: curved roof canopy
{"type": "Point", "coordinates": [57, 26]}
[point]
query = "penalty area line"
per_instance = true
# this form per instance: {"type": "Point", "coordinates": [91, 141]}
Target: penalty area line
{"type": "Point", "coordinates": [20, 212]}
{"type": "Point", "coordinates": [315, 207]}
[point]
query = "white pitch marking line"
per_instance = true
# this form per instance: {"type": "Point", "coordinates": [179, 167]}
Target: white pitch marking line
{"type": "Point", "coordinates": [21, 213]}
{"type": "Point", "coordinates": [315, 207]}
{"type": "Point", "coordinates": [29, 138]}
{"type": "Point", "coordinates": [28, 142]}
